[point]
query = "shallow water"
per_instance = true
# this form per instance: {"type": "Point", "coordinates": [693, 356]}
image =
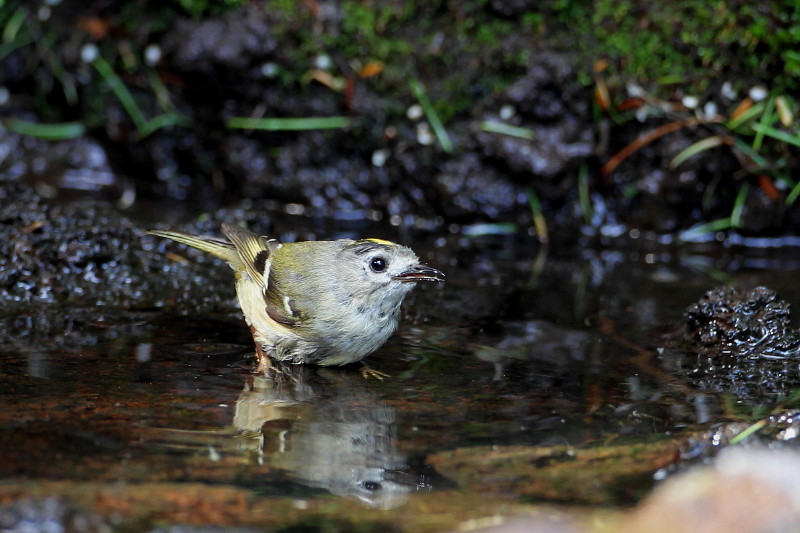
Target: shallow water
{"type": "Point", "coordinates": [156, 416]}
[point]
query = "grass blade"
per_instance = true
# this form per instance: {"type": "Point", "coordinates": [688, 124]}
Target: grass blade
{"type": "Point", "coordinates": [766, 118]}
{"type": "Point", "coordinates": [494, 126]}
{"type": "Point", "coordinates": [750, 430]}
{"type": "Point", "coordinates": [13, 24]}
{"type": "Point", "coordinates": [162, 121]}
{"type": "Point", "coordinates": [431, 115]}
{"type": "Point", "coordinates": [289, 124]}
{"type": "Point", "coordinates": [695, 148]}
{"type": "Point", "coordinates": [50, 132]}
{"type": "Point", "coordinates": [754, 156]}
{"type": "Point", "coordinates": [120, 90]}
{"type": "Point", "coordinates": [738, 205]}
{"type": "Point", "coordinates": [793, 194]}
{"type": "Point", "coordinates": [489, 228]}
{"type": "Point", "coordinates": [744, 117]}
{"type": "Point", "coordinates": [539, 222]}
{"type": "Point", "coordinates": [695, 233]}
{"type": "Point", "coordinates": [777, 134]}
{"type": "Point", "coordinates": [584, 195]}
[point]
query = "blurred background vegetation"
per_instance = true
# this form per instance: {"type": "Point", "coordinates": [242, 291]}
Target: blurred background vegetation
{"type": "Point", "coordinates": [180, 96]}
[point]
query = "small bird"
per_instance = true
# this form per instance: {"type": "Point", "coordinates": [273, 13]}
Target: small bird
{"type": "Point", "coordinates": [315, 302]}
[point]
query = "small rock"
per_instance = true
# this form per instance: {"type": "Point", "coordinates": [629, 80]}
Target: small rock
{"type": "Point", "coordinates": [758, 93]}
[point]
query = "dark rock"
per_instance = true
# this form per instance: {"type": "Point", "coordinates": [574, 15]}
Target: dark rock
{"type": "Point", "coordinates": [469, 188]}
{"type": "Point", "coordinates": [232, 42]}
{"type": "Point", "coordinates": [649, 195]}
{"type": "Point", "coordinates": [327, 179]}
{"type": "Point", "coordinates": [548, 90]}
{"type": "Point", "coordinates": [547, 102]}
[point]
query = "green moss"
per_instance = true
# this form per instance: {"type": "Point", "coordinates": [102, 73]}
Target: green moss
{"type": "Point", "coordinates": [693, 41]}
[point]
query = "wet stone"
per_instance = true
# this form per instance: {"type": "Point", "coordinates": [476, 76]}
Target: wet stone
{"type": "Point", "coordinates": [743, 342]}
{"type": "Point", "coordinates": [744, 322]}
{"type": "Point", "coordinates": [745, 490]}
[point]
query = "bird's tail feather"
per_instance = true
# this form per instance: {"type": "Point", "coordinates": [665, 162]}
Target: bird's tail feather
{"type": "Point", "coordinates": [216, 247]}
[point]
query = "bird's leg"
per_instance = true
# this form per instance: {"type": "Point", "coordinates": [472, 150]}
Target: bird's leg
{"type": "Point", "coordinates": [369, 372]}
{"type": "Point", "coordinates": [264, 362]}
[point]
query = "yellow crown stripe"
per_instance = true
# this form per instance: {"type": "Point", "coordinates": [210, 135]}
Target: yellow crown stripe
{"type": "Point", "coordinates": [381, 241]}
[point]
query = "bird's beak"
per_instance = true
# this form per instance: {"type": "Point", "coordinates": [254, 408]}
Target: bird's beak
{"type": "Point", "coordinates": [420, 273]}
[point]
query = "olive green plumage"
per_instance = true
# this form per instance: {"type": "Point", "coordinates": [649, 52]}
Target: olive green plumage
{"type": "Point", "coordinates": [319, 302]}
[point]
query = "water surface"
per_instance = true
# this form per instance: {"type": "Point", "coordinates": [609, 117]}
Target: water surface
{"type": "Point", "coordinates": [155, 414]}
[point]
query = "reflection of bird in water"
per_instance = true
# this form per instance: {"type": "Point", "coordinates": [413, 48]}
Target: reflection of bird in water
{"type": "Point", "coordinates": [324, 429]}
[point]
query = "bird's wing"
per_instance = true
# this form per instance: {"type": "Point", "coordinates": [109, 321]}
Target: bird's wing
{"type": "Point", "coordinates": [256, 253]}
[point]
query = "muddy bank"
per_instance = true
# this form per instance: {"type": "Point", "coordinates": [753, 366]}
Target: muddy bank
{"type": "Point", "coordinates": [433, 123]}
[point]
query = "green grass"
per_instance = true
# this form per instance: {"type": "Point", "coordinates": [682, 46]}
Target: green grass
{"type": "Point", "coordinates": [430, 113]}
{"type": "Point", "coordinates": [289, 124]}
{"type": "Point", "coordinates": [50, 132]}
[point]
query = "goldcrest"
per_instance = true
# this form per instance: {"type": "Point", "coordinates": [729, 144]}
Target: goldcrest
{"type": "Point", "coordinates": [316, 302]}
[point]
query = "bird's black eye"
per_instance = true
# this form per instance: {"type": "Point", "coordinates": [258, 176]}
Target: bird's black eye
{"type": "Point", "coordinates": [378, 264]}
{"type": "Point", "coordinates": [371, 486]}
